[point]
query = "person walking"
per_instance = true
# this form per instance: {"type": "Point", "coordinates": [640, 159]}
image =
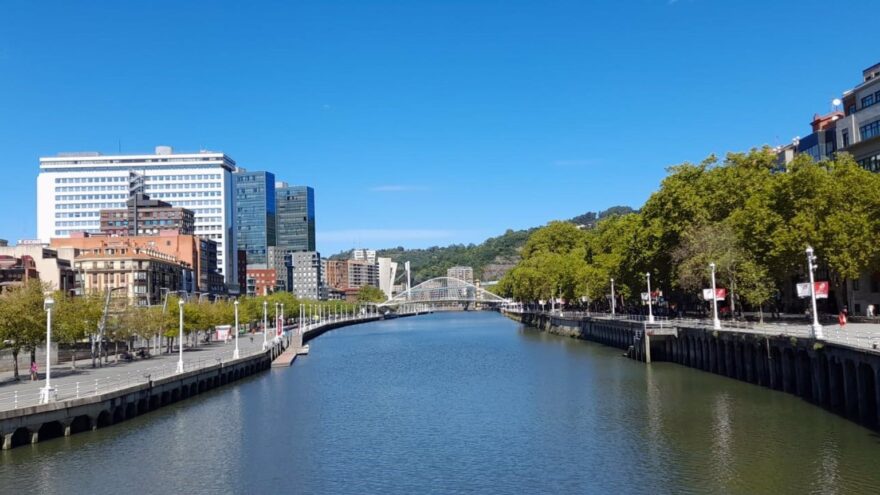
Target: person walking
{"type": "Point", "coordinates": [33, 371]}
{"type": "Point", "coordinates": [841, 319]}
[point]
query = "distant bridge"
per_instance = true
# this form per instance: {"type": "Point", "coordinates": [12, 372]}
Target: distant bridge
{"type": "Point", "coordinates": [445, 291]}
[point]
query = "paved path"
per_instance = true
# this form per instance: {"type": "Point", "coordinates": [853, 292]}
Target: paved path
{"type": "Point", "coordinates": [87, 380]}
{"type": "Point", "coordinates": [860, 335]}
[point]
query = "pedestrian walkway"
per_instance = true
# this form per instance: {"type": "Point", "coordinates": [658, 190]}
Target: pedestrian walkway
{"type": "Point", "coordinates": [859, 335]}
{"type": "Point", "coordinates": [85, 380]}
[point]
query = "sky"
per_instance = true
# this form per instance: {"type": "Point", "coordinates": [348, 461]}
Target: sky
{"type": "Point", "coordinates": [421, 123]}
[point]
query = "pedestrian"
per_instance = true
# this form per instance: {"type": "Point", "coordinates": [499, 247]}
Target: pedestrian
{"type": "Point", "coordinates": [33, 371]}
{"type": "Point", "coordinates": [841, 318]}
{"type": "Point", "coordinates": [870, 313]}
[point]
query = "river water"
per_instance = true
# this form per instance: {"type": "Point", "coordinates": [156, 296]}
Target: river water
{"type": "Point", "coordinates": [464, 403]}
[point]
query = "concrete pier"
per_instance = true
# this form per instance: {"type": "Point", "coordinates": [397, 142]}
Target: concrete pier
{"type": "Point", "coordinates": [842, 379]}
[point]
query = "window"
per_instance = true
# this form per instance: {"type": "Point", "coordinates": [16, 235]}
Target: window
{"type": "Point", "coordinates": [867, 101]}
{"type": "Point", "coordinates": [871, 130]}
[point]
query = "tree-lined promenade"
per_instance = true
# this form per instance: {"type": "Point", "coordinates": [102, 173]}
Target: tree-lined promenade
{"type": "Point", "coordinates": [81, 319]}
{"type": "Point", "coordinates": [753, 222]}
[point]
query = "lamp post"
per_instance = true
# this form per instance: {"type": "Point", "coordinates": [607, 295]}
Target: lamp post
{"type": "Point", "coordinates": [47, 393]}
{"type": "Point", "coordinates": [612, 298]}
{"type": "Point", "coordinates": [716, 323]}
{"type": "Point", "coordinates": [265, 323]}
{"type": "Point", "coordinates": [180, 338]}
{"type": "Point", "coordinates": [817, 328]}
{"type": "Point", "coordinates": [282, 319]}
{"type": "Point", "coordinates": [650, 309]}
{"type": "Point", "coordinates": [235, 354]}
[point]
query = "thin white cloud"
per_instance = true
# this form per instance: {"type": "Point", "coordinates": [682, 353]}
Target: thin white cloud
{"type": "Point", "coordinates": [392, 236]}
{"type": "Point", "coordinates": [397, 188]}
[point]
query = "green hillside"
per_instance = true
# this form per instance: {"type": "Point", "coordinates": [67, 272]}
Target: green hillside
{"type": "Point", "coordinates": [490, 259]}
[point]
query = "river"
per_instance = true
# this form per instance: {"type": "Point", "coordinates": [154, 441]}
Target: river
{"type": "Point", "coordinates": [464, 403]}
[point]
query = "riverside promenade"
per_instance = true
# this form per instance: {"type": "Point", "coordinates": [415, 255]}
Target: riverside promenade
{"type": "Point", "coordinates": [91, 398]}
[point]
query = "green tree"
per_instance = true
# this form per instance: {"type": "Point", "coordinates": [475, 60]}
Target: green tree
{"type": "Point", "coordinates": [75, 318]}
{"type": "Point", "coordinates": [370, 294]}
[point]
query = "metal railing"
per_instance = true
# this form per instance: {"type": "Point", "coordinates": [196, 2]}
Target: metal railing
{"type": "Point", "coordinates": [851, 336]}
{"type": "Point", "coordinates": [15, 399]}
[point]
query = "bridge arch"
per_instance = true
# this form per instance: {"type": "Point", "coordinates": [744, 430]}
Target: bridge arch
{"type": "Point", "coordinates": [445, 290]}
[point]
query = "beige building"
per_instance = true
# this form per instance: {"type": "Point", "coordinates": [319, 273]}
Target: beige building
{"type": "Point", "coordinates": [55, 266]}
{"type": "Point", "coordinates": [139, 274]}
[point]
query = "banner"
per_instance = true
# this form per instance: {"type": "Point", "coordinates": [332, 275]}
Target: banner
{"type": "Point", "coordinates": [279, 326]}
{"type": "Point", "coordinates": [821, 288]}
{"type": "Point", "coordinates": [656, 295]}
{"type": "Point", "coordinates": [720, 294]}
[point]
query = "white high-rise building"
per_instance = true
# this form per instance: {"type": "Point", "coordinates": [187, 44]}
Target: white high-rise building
{"type": "Point", "coordinates": [368, 255]}
{"type": "Point", "coordinates": [72, 189]}
{"type": "Point", "coordinates": [387, 274]}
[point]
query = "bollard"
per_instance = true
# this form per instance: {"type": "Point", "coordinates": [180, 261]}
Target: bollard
{"type": "Point", "coordinates": [96, 386]}
{"type": "Point", "coordinates": [15, 405]}
{"type": "Point", "coordinates": [77, 390]}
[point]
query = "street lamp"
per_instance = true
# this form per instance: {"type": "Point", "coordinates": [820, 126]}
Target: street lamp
{"type": "Point", "coordinates": [650, 310]}
{"type": "Point", "coordinates": [265, 324]}
{"type": "Point", "coordinates": [817, 328]}
{"type": "Point", "coordinates": [235, 354]}
{"type": "Point", "coordinates": [612, 298]}
{"type": "Point", "coordinates": [716, 323]}
{"type": "Point", "coordinates": [180, 339]}
{"type": "Point", "coordinates": [47, 393]}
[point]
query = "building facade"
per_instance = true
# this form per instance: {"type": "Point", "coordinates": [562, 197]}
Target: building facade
{"type": "Point", "coordinates": [465, 273]}
{"type": "Point", "coordinates": [306, 275]}
{"type": "Point", "coordinates": [255, 215]}
{"type": "Point", "coordinates": [294, 222]}
{"type": "Point", "coordinates": [73, 188]}
{"type": "Point", "coordinates": [199, 254]}
{"type": "Point", "coordinates": [361, 273]}
{"type": "Point", "coordinates": [53, 266]}
{"type": "Point", "coordinates": [387, 274]}
{"type": "Point", "coordinates": [336, 275]}
{"type": "Point", "coordinates": [260, 281]}
{"type": "Point", "coordinates": [141, 275]}
{"type": "Point", "coordinates": [145, 216]}
{"type": "Point", "coordinates": [858, 132]}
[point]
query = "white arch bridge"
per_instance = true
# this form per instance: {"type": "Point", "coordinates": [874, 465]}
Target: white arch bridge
{"type": "Point", "coordinates": [446, 292]}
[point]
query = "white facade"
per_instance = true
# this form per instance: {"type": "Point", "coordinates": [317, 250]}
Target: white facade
{"type": "Point", "coordinates": [72, 188]}
{"type": "Point", "coordinates": [387, 274]}
{"type": "Point", "coordinates": [368, 255]}
{"type": "Point", "coordinates": [465, 273]}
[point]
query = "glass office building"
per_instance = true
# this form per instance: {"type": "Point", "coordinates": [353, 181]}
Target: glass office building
{"type": "Point", "coordinates": [294, 220]}
{"type": "Point", "coordinates": [255, 215]}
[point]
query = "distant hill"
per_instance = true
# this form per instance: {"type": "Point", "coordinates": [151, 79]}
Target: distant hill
{"type": "Point", "coordinates": [490, 259]}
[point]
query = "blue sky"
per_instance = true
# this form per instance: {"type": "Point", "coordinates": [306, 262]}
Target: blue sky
{"type": "Point", "coordinates": [421, 122]}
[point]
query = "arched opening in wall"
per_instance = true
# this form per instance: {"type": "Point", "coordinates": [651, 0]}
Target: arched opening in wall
{"type": "Point", "coordinates": [752, 356]}
{"type": "Point", "coordinates": [836, 395]}
{"type": "Point", "coordinates": [805, 375]}
{"type": "Point", "coordinates": [202, 386]}
{"type": "Point", "coordinates": [143, 405]}
{"type": "Point", "coordinates": [868, 381]}
{"type": "Point", "coordinates": [184, 391]}
{"type": "Point", "coordinates": [104, 419]}
{"type": "Point", "coordinates": [824, 384]}
{"type": "Point", "coordinates": [166, 398]}
{"type": "Point", "coordinates": [21, 436]}
{"type": "Point", "coordinates": [50, 430]}
{"type": "Point", "coordinates": [80, 424]}
{"type": "Point", "coordinates": [193, 389]}
{"type": "Point", "coordinates": [130, 410]}
{"type": "Point", "coordinates": [154, 402]}
{"type": "Point", "coordinates": [175, 394]}
{"type": "Point", "coordinates": [118, 413]}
